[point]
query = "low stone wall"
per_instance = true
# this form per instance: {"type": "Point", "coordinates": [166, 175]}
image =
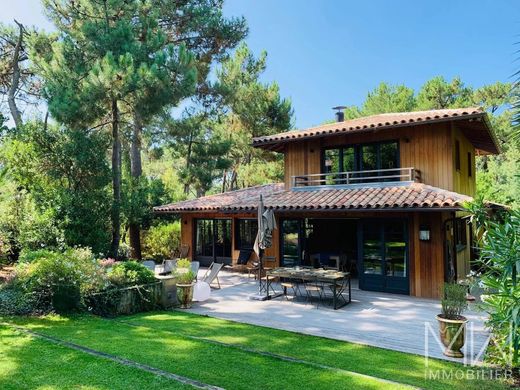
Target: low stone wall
{"type": "Point", "coordinates": [126, 300]}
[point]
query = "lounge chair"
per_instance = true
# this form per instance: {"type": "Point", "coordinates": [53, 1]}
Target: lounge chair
{"type": "Point", "coordinates": [150, 264]}
{"type": "Point", "coordinates": [244, 262]}
{"type": "Point", "coordinates": [195, 265]}
{"type": "Point", "coordinates": [168, 267]}
{"type": "Point", "coordinates": [212, 274]}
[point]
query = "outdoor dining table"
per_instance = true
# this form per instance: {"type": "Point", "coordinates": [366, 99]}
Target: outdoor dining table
{"type": "Point", "coordinates": [316, 275]}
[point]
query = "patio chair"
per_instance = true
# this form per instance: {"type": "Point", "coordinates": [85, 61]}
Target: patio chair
{"type": "Point", "coordinates": [212, 274]}
{"type": "Point", "coordinates": [293, 285]}
{"type": "Point", "coordinates": [244, 263]}
{"type": "Point", "coordinates": [169, 266]}
{"type": "Point", "coordinates": [314, 287]}
{"type": "Point", "coordinates": [195, 265]}
{"type": "Point", "coordinates": [150, 264]}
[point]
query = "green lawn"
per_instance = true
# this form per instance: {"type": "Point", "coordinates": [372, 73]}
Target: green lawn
{"type": "Point", "coordinates": [171, 341]}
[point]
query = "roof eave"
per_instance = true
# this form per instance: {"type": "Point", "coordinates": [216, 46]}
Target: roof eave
{"type": "Point", "coordinates": [277, 143]}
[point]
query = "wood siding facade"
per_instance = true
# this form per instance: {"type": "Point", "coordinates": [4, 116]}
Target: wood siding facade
{"type": "Point", "coordinates": [431, 149]}
{"type": "Point", "coordinates": [426, 258]}
{"type": "Point", "coordinates": [427, 148]}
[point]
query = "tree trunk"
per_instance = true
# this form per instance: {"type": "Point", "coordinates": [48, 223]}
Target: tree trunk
{"type": "Point", "coordinates": [116, 181]}
{"type": "Point", "coordinates": [188, 163]}
{"type": "Point", "coordinates": [15, 81]}
{"type": "Point", "coordinates": [136, 171]}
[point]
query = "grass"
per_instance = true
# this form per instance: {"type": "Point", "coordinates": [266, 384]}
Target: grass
{"type": "Point", "coordinates": [29, 363]}
{"type": "Point", "coordinates": [165, 340]}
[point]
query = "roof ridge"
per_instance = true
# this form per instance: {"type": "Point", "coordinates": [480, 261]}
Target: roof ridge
{"type": "Point", "coordinates": [487, 142]}
{"type": "Point", "coordinates": [471, 109]}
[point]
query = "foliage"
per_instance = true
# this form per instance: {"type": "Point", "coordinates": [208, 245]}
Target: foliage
{"type": "Point", "coordinates": [202, 145]}
{"type": "Point", "coordinates": [139, 196]}
{"type": "Point", "coordinates": [58, 280]}
{"type": "Point", "coordinates": [453, 301]}
{"type": "Point", "coordinates": [253, 109]}
{"type": "Point", "coordinates": [58, 194]}
{"type": "Point", "coordinates": [183, 272]}
{"type": "Point", "coordinates": [162, 241]}
{"type": "Point", "coordinates": [130, 273]}
{"type": "Point", "coordinates": [109, 59]}
{"type": "Point", "coordinates": [15, 301]}
{"type": "Point", "coordinates": [384, 98]}
{"type": "Point", "coordinates": [499, 263]}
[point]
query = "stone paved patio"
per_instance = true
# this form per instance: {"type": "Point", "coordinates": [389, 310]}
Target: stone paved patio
{"type": "Point", "coordinates": [384, 320]}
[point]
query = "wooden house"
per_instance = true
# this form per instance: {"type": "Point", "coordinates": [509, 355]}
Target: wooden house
{"type": "Point", "coordinates": [379, 196]}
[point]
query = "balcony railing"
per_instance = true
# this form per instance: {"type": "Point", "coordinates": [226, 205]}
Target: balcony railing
{"type": "Point", "coordinates": [369, 178]}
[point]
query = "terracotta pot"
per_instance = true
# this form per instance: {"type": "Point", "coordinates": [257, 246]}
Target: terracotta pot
{"type": "Point", "coordinates": [453, 333]}
{"type": "Point", "coordinates": [185, 295]}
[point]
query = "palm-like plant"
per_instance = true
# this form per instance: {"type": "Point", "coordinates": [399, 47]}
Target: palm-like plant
{"type": "Point", "coordinates": [500, 264]}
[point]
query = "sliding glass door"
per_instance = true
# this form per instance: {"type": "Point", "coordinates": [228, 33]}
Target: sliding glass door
{"type": "Point", "coordinates": [291, 239]}
{"type": "Point", "coordinates": [384, 256]}
{"type": "Point", "coordinates": [213, 241]}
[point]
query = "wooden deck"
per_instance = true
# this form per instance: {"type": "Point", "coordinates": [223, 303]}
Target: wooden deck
{"type": "Point", "coordinates": [384, 320]}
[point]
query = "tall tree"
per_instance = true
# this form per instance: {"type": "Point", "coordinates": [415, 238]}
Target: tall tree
{"type": "Point", "coordinates": [384, 98]}
{"type": "Point", "coordinates": [109, 57]}
{"type": "Point", "coordinates": [253, 108]}
{"type": "Point", "coordinates": [200, 142]}
{"type": "Point", "coordinates": [437, 93]}
{"type": "Point", "coordinates": [201, 27]}
{"type": "Point", "coordinates": [17, 81]}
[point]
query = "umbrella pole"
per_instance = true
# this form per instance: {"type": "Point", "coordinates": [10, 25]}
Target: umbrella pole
{"type": "Point", "coordinates": [260, 268]}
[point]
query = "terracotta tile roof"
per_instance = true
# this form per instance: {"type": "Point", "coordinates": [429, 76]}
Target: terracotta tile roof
{"type": "Point", "coordinates": [219, 201]}
{"type": "Point", "coordinates": [412, 196]}
{"type": "Point", "coordinates": [479, 130]}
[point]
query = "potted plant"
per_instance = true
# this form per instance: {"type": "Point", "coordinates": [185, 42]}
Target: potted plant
{"type": "Point", "coordinates": [452, 324]}
{"type": "Point", "coordinates": [184, 277]}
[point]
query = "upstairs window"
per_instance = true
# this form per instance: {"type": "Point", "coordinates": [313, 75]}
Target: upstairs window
{"type": "Point", "coordinates": [363, 157]}
{"type": "Point", "coordinates": [457, 155]}
{"type": "Point", "coordinates": [245, 233]}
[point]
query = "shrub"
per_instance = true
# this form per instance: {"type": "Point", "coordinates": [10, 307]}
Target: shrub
{"type": "Point", "coordinates": [453, 301]}
{"type": "Point", "coordinates": [183, 272]}
{"type": "Point", "coordinates": [162, 241]}
{"type": "Point", "coordinates": [130, 273]}
{"type": "Point", "coordinates": [499, 242]}
{"type": "Point", "coordinates": [131, 289]}
{"type": "Point", "coordinates": [59, 280]}
{"type": "Point", "coordinates": [16, 302]}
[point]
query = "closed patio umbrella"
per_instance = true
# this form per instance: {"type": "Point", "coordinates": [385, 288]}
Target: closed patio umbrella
{"type": "Point", "coordinates": [264, 238]}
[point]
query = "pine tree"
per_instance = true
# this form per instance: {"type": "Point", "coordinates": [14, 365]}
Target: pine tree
{"type": "Point", "coordinates": [109, 57]}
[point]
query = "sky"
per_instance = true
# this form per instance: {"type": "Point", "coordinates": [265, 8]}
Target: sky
{"type": "Point", "coordinates": [333, 52]}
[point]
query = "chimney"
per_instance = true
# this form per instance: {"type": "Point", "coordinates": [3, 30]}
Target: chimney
{"type": "Point", "coordinates": [340, 115]}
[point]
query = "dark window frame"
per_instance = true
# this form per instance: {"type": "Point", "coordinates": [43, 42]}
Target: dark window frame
{"type": "Point", "coordinates": [457, 155]}
{"type": "Point", "coordinates": [460, 233]}
{"type": "Point", "coordinates": [470, 165]}
{"type": "Point", "coordinates": [212, 239]}
{"type": "Point", "coordinates": [358, 154]}
{"type": "Point", "coordinates": [239, 241]}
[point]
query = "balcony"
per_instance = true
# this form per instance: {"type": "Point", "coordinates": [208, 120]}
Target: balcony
{"type": "Point", "coordinates": [356, 179]}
